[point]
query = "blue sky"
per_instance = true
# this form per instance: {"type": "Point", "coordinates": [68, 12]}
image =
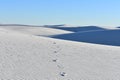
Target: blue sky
{"type": "Point", "coordinates": [75, 12]}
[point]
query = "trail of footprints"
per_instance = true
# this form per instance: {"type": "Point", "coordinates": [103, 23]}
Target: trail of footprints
{"type": "Point", "coordinates": [62, 73]}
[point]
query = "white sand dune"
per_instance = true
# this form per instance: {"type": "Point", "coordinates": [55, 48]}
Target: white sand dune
{"type": "Point", "coordinates": [34, 30]}
{"type": "Point", "coordinates": [29, 57]}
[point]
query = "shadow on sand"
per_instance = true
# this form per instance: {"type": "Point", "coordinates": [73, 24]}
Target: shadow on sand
{"type": "Point", "coordinates": [106, 37]}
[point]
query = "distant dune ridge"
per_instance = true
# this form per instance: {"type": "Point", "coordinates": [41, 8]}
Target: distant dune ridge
{"type": "Point", "coordinates": [79, 28]}
{"type": "Point", "coordinates": [59, 52]}
{"type": "Point", "coordinates": [89, 34]}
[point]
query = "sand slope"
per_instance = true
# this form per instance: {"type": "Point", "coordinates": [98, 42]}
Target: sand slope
{"type": "Point", "coordinates": [29, 57]}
